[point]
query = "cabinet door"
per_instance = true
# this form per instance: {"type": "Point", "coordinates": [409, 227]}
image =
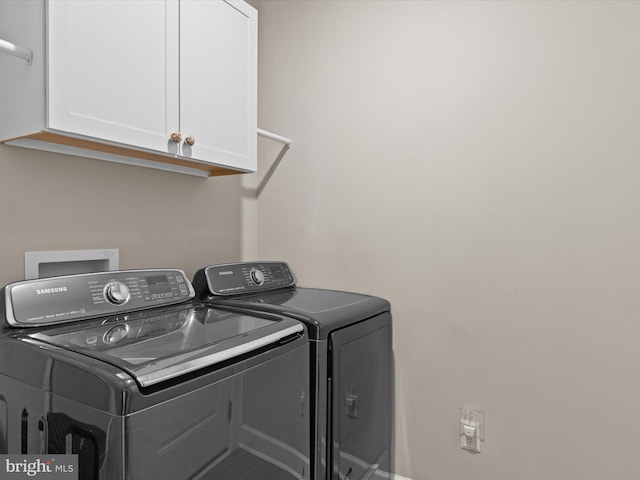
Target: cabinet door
{"type": "Point", "coordinates": [218, 81]}
{"type": "Point", "coordinates": [113, 70]}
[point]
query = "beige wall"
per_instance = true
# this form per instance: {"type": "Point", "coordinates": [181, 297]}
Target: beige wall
{"type": "Point", "coordinates": [155, 218]}
{"type": "Point", "coordinates": [477, 163]}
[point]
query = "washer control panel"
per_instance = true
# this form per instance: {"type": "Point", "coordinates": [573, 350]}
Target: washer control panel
{"type": "Point", "coordinates": [48, 301]}
{"type": "Point", "coordinates": [238, 278]}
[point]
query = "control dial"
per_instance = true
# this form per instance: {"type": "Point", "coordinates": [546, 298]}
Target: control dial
{"type": "Point", "coordinates": [257, 276]}
{"type": "Point", "coordinates": [117, 293]}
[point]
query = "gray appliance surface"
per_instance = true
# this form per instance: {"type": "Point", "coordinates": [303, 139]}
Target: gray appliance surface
{"type": "Point", "coordinates": [322, 310]}
{"type": "Point", "coordinates": [126, 370]}
{"type": "Point", "coordinates": [351, 359]}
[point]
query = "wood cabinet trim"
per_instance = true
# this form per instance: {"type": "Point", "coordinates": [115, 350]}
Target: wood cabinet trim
{"type": "Point", "coordinates": [73, 142]}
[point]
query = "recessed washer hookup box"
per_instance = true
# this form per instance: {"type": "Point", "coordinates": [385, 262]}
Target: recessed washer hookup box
{"type": "Point", "coordinates": [68, 262]}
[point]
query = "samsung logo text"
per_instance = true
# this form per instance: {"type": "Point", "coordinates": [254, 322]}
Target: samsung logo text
{"type": "Point", "coordinates": [46, 291]}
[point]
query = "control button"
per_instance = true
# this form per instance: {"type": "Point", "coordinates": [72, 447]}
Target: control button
{"type": "Point", "coordinates": [117, 293]}
{"type": "Point", "coordinates": [116, 334]}
{"type": "Point", "coordinates": [183, 290]}
{"type": "Point", "coordinates": [179, 278]}
{"type": "Point", "coordinates": [257, 276]}
{"type": "Point", "coordinates": [160, 296]}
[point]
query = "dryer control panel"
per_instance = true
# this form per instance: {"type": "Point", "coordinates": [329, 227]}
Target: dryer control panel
{"type": "Point", "coordinates": [49, 301]}
{"type": "Point", "coordinates": [239, 278]}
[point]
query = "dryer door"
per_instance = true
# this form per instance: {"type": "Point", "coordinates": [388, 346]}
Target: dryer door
{"type": "Point", "coordinates": [362, 393]}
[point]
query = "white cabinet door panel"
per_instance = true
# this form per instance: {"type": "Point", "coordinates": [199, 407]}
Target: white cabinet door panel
{"type": "Point", "coordinates": [218, 51]}
{"type": "Point", "coordinates": [108, 63]}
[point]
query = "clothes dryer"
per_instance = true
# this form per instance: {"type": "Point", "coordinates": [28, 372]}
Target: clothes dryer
{"type": "Point", "coordinates": [351, 361]}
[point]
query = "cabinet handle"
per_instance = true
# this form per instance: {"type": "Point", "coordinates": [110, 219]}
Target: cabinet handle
{"type": "Point", "coordinates": [176, 137]}
{"type": "Point", "coordinates": [190, 141]}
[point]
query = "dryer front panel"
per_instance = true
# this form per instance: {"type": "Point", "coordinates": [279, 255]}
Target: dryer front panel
{"type": "Point", "coordinates": [361, 385]}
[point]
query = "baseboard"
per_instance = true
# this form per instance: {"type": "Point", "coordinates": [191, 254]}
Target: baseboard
{"type": "Point", "coordinates": [384, 475]}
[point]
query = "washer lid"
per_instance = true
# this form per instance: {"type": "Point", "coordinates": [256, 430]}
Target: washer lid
{"type": "Point", "coordinates": [161, 344]}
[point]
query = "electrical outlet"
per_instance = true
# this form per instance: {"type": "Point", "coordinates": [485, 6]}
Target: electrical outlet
{"type": "Point", "coordinates": [470, 442]}
{"type": "Point", "coordinates": [471, 429]}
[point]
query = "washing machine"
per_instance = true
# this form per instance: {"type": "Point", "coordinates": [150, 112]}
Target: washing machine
{"type": "Point", "coordinates": [351, 361]}
{"type": "Point", "coordinates": [125, 370]}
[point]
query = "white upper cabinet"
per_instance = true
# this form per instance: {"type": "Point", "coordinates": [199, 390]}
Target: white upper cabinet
{"type": "Point", "coordinates": [162, 83]}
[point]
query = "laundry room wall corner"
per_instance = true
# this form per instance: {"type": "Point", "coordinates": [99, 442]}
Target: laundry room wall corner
{"type": "Point", "coordinates": [249, 212]}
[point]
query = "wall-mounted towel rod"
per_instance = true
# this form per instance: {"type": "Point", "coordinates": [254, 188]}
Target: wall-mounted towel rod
{"type": "Point", "coordinates": [16, 50]}
{"type": "Point", "coordinates": [273, 136]}
{"type": "Point", "coordinates": [287, 144]}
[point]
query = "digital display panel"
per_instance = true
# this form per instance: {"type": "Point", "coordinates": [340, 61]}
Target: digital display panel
{"type": "Point", "coordinates": [158, 284]}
